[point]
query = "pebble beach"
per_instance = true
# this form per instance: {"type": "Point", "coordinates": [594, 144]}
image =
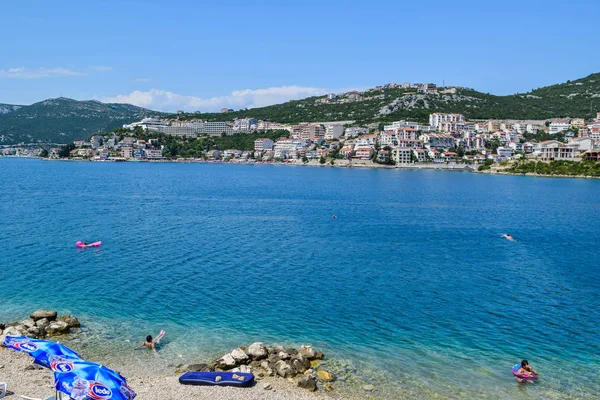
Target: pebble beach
{"type": "Point", "coordinates": [27, 379]}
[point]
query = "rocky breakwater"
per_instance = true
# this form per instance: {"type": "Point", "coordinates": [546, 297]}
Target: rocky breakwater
{"type": "Point", "coordinates": [298, 365]}
{"type": "Point", "coordinates": [40, 324]}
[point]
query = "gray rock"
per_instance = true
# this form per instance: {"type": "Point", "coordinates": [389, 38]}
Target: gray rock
{"type": "Point", "coordinates": [42, 324]}
{"type": "Point", "coordinates": [267, 386]}
{"type": "Point", "coordinates": [239, 356]}
{"type": "Point", "coordinates": [57, 328]}
{"type": "Point", "coordinates": [267, 368]}
{"type": "Point", "coordinates": [198, 367]}
{"type": "Point", "coordinates": [39, 314]}
{"type": "Point", "coordinates": [70, 320]}
{"type": "Point", "coordinates": [310, 353]}
{"type": "Point", "coordinates": [33, 331]}
{"type": "Point", "coordinates": [283, 355]}
{"type": "Point", "coordinates": [273, 358]}
{"type": "Point", "coordinates": [307, 382]}
{"type": "Point", "coordinates": [284, 369]}
{"type": "Point", "coordinates": [2, 326]}
{"type": "Point", "coordinates": [258, 351]}
{"type": "Point", "coordinates": [226, 362]}
{"type": "Point", "coordinates": [299, 363]}
{"type": "Point", "coordinates": [9, 331]}
{"type": "Point", "coordinates": [28, 323]}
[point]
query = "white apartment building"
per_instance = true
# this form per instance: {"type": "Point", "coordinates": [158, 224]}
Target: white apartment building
{"type": "Point", "coordinates": [401, 124]}
{"type": "Point", "coordinates": [272, 126]}
{"type": "Point", "coordinates": [312, 132]}
{"type": "Point", "coordinates": [388, 138]}
{"type": "Point", "coordinates": [437, 141]}
{"type": "Point", "coordinates": [263, 144]}
{"type": "Point", "coordinates": [180, 131]}
{"type": "Point", "coordinates": [354, 131]}
{"type": "Point", "coordinates": [244, 124]}
{"type": "Point", "coordinates": [284, 147]}
{"type": "Point", "coordinates": [447, 122]}
{"type": "Point", "coordinates": [402, 155]}
{"type": "Point", "coordinates": [217, 128]}
{"type": "Point", "coordinates": [366, 141]}
{"type": "Point", "coordinates": [559, 125]}
{"type": "Point", "coordinates": [333, 132]}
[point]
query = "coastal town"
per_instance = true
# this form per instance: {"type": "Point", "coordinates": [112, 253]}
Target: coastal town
{"type": "Point", "coordinates": [447, 139]}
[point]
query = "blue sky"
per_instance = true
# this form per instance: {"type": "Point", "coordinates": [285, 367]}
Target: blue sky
{"type": "Point", "coordinates": [204, 55]}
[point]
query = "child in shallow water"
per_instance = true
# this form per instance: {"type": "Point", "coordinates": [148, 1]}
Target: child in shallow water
{"type": "Point", "coordinates": [151, 344]}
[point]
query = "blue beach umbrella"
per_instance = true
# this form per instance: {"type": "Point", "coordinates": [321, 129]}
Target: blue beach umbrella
{"type": "Point", "coordinates": [44, 352]}
{"type": "Point", "coordinates": [88, 380]}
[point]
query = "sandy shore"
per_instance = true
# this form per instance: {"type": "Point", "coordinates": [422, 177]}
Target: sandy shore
{"type": "Point", "coordinates": [23, 379]}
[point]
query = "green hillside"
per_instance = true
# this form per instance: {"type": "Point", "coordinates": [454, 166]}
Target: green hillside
{"type": "Point", "coordinates": [63, 120]}
{"type": "Point", "coordinates": [580, 98]}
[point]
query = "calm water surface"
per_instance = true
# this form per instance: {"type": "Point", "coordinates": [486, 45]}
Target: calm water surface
{"type": "Point", "coordinates": [410, 288]}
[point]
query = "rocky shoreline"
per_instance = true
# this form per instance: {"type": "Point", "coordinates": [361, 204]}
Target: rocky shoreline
{"type": "Point", "coordinates": [280, 372]}
{"type": "Point", "coordinates": [300, 366]}
{"type": "Point", "coordinates": [40, 324]}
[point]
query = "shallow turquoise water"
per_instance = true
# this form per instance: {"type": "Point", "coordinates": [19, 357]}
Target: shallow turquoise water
{"type": "Point", "coordinates": [411, 287]}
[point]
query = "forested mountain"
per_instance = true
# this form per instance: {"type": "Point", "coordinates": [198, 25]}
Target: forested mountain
{"type": "Point", "coordinates": [63, 120]}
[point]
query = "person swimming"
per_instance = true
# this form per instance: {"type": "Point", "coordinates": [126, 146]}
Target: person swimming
{"type": "Point", "coordinates": [525, 371]}
{"type": "Point", "coordinates": [151, 344]}
{"type": "Point", "coordinates": [508, 237]}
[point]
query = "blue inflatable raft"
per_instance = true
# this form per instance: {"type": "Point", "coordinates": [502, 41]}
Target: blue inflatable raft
{"type": "Point", "coordinates": [240, 379]}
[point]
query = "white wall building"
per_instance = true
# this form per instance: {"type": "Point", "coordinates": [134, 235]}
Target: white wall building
{"type": "Point", "coordinates": [559, 126]}
{"type": "Point", "coordinates": [333, 132]}
{"type": "Point", "coordinates": [447, 122]}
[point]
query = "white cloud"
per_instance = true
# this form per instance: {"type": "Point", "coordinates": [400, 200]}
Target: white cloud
{"type": "Point", "coordinates": [251, 98]}
{"type": "Point", "coordinates": [31, 73]}
{"type": "Point", "coordinates": [101, 68]}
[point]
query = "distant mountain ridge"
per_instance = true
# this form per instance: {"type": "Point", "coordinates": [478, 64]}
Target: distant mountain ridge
{"type": "Point", "coordinates": [63, 120]}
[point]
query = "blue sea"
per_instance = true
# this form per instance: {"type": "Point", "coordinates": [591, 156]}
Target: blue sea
{"type": "Point", "coordinates": [411, 288]}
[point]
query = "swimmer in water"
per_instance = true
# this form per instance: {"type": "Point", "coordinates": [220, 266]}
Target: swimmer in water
{"type": "Point", "coordinates": [525, 371]}
{"type": "Point", "coordinates": [151, 344]}
{"type": "Point", "coordinates": [508, 237]}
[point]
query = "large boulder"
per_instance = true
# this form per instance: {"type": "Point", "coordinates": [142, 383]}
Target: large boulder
{"type": "Point", "coordinates": [310, 353]}
{"type": "Point", "coordinates": [57, 328]}
{"type": "Point", "coordinates": [258, 351]}
{"type": "Point", "coordinates": [307, 382]}
{"type": "Point", "coordinates": [284, 369]}
{"type": "Point", "coordinates": [39, 314]}
{"type": "Point", "coordinates": [239, 356]}
{"type": "Point", "coordinates": [70, 320]}
{"type": "Point", "coordinates": [225, 363]}
{"type": "Point", "coordinates": [299, 363]}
